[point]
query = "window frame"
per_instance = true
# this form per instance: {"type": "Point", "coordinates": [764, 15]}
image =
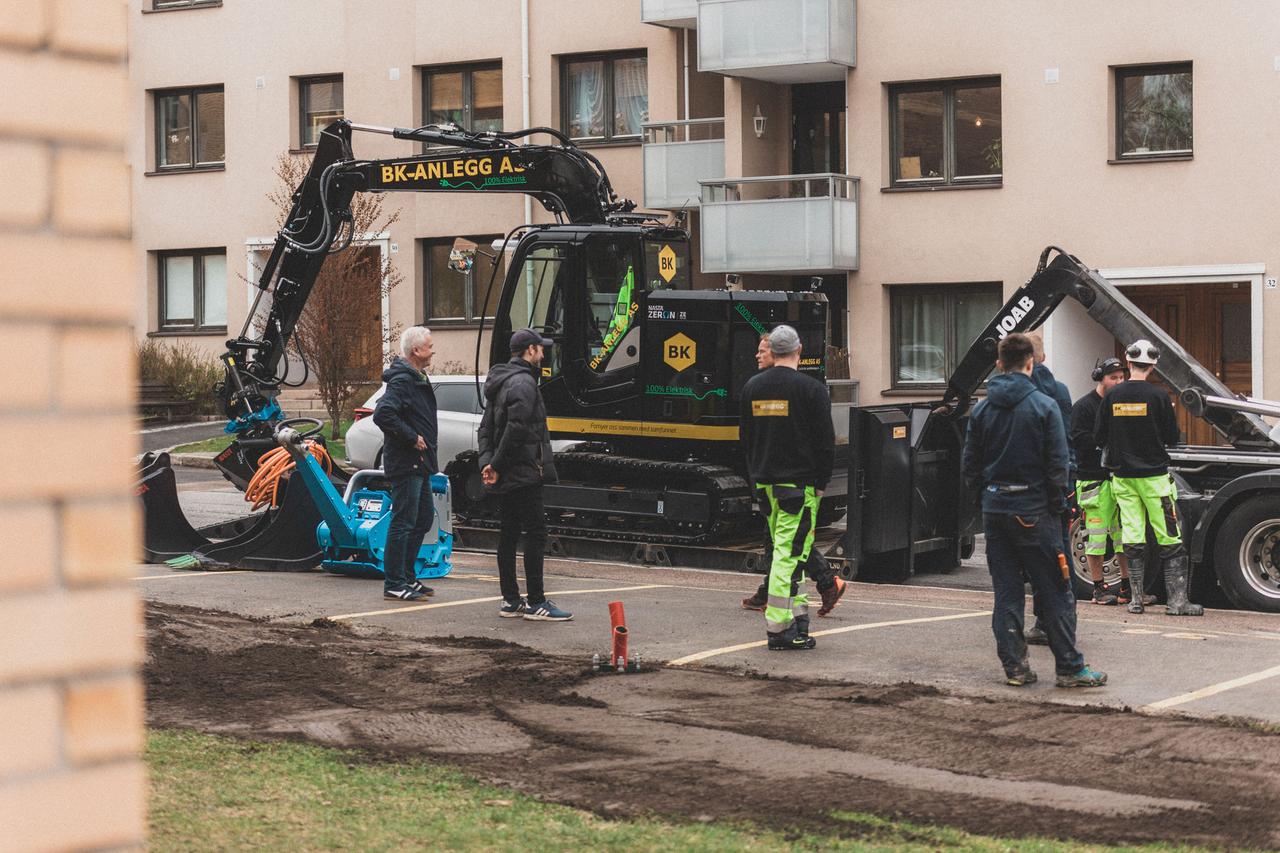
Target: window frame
{"type": "Point", "coordinates": [1122, 72]}
{"type": "Point", "coordinates": [197, 327]}
{"type": "Point", "coordinates": [608, 57]}
{"type": "Point", "coordinates": [467, 69]}
{"type": "Point", "coordinates": [303, 84]}
{"type": "Point", "coordinates": [166, 5]}
{"type": "Point", "coordinates": [190, 91]}
{"type": "Point", "coordinates": [470, 297]}
{"type": "Point", "coordinates": [951, 354]}
{"type": "Point", "coordinates": [948, 89]}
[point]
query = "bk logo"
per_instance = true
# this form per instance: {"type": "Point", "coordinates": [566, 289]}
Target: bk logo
{"type": "Point", "coordinates": [679, 351]}
{"type": "Point", "coordinates": [667, 264]}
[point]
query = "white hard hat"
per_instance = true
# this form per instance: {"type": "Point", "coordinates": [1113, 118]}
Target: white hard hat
{"type": "Point", "coordinates": [1142, 352]}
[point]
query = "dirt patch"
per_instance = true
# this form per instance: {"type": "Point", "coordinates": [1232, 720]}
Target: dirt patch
{"type": "Point", "coordinates": [709, 745]}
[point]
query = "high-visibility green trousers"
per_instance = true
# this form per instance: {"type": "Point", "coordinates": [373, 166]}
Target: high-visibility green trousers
{"type": "Point", "coordinates": [1101, 515]}
{"type": "Point", "coordinates": [793, 516]}
{"type": "Point", "coordinates": [1147, 500]}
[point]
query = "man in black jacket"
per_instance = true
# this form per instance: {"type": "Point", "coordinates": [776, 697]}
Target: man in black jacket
{"type": "Point", "coordinates": [1135, 424]}
{"type": "Point", "coordinates": [1016, 455]}
{"type": "Point", "coordinates": [515, 461]}
{"type": "Point", "coordinates": [406, 414]}
{"type": "Point", "coordinates": [787, 436]}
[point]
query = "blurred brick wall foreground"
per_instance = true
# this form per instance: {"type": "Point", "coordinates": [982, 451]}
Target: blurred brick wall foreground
{"type": "Point", "coordinates": [70, 625]}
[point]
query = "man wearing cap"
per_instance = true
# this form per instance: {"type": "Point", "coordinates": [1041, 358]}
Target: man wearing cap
{"type": "Point", "coordinates": [1135, 423]}
{"type": "Point", "coordinates": [515, 461]}
{"type": "Point", "coordinates": [831, 587]}
{"type": "Point", "coordinates": [788, 439]}
{"type": "Point", "coordinates": [1100, 515]}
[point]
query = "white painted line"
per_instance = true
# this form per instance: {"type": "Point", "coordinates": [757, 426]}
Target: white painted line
{"type": "Point", "coordinates": [1137, 630]}
{"type": "Point", "coordinates": [1213, 689]}
{"type": "Point", "coordinates": [759, 643]}
{"type": "Point", "coordinates": [193, 574]}
{"type": "Point", "coordinates": [1184, 636]}
{"type": "Point", "coordinates": [557, 593]}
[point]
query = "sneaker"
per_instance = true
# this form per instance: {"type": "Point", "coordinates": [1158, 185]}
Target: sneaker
{"type": "Point", "coordinates": [1106, 595]}
{"type": "Point", "coordinates": [756, 601]}
{"type": "Point", "coordinates": [401, 593]}
{"type": "Point", "coordinates": [1021, 677]}
{"type": "Point", "coordinates": [417, 587]}
{"type": "Point", "coordinates": [512, 609]}
{"type": "Point", "coordinates": [795, 643]}
{"type": "Point", "coordinates": [1035, 636]}
{"type": "Point", "coordinates": [831, 596]}
{"type": "Point", "coordinates": [546, 612]}
{"type": "Point", "coordinates": [1084, 678]}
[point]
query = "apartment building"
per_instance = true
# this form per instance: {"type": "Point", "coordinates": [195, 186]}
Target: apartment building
{"type": "Point", "coordinates": [909, 158]}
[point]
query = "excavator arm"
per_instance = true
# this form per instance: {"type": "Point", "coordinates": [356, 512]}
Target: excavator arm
{"type": "Point", "coordinates": [567, 181]}
{"type": "Point", "coordinates": [1066, 276]}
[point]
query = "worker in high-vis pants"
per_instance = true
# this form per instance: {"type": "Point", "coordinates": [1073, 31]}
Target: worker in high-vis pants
{"type": "Point", "coordinates": [789, 442]}
{"type": "Point", "coordinates": [1135, 424]}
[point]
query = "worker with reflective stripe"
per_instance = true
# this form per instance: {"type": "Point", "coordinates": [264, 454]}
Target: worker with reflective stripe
{"type": "Point", "coordinates": [1135, 424]}
{"type": "Point", "coordinates": [789, 442]}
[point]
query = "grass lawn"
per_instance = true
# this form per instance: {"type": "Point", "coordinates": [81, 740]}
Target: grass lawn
{"type": "Point", "coordinates": [215, 793]}
{"type": "Point", "coordinates": [337, 447]}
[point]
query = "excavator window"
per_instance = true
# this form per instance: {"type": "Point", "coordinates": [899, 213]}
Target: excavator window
{"type": "Point", "coordinates": [538, 300]}
{"type": "Point", "coordinates": [614, 281]}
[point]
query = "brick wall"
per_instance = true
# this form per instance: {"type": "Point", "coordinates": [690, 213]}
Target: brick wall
{"type": "Point", "coordinates": [70, 626]}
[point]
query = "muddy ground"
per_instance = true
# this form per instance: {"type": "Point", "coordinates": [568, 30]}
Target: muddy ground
{"type": "Point", "coordinates": [707, 745]}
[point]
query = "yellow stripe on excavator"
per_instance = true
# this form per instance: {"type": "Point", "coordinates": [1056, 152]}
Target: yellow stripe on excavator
{"type": "Point", "coordinates": [650, 429]}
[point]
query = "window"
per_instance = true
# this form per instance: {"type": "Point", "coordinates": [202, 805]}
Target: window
{"type": "Point", "coordinates": [319, 103]}
{"type": "Point", "coordinates": [946, 133]}
{"type": "Point", "coordinates": [457, 397]}
{"type": "Point", "coordinates": [190, 128]}
{"type": "Point", "coordinates": [456, 296]}
{"type": "Point", "coordinates": [469, 96]}
{"type": "Point", "coordinates": [193, 290]}
{"type": "Point", "coordinates": [604, 98]}
{"type": "Point", "coordinates": [933, 326]}
{"type": "Point", "coordinates": [1153, 111]}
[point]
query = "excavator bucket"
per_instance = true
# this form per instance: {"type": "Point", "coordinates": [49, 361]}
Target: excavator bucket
{"type": "Point", "coordinates": [279, 539]}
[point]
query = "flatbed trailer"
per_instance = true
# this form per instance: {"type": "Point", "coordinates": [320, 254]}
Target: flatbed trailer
{"type": "Point", "coordinates": [908, 508]}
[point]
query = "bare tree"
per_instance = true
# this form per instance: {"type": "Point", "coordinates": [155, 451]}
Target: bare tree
{"type": "Point", "coordinates": [340, 333]}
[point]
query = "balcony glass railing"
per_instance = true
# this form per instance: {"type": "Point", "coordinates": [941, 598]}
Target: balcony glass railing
{"type": "Point", "coordinates": [783, 41]}
{"type": "Point", "coordinates": [780, 223]}
{"type": "Point", "coordinates": [669, 13]}
{"type": "Point", "coordinates": [679, 154]}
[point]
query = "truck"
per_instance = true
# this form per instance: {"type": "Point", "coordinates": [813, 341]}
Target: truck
{"type": "Point", "coordinates": [908, 508]}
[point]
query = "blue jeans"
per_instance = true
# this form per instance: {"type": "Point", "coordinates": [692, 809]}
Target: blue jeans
{"type": "Point", "coordinates": [1022, 549]}
{"type": "Point", "coordinates": [412, 512]}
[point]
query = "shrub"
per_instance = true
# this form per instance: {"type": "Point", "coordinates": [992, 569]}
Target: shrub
{"type": "Point", "coordinates": [189, 372]}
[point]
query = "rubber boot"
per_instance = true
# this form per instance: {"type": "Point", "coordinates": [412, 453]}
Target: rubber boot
{"type": "Point", "coordinates": [1177, 575]}
{"type": "Point", "coordinates": [802, 626]}
{"type": "Point", "coordinates": [1137, 561]}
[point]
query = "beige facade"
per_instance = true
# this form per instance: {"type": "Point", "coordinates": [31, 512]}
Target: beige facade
{"type": "Point", "coordinates": [70, 698]}
{"type": "Point", "coordinates": [1198, 219]}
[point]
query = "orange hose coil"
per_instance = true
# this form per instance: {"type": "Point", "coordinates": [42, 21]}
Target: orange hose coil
{"type": "Point", "coordinates": [264, 486]}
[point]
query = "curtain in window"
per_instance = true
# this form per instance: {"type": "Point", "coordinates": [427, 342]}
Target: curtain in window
{"type": "Point", "coordinates": [921, 337]}
{"type": "Point", "coordinates": [210, 122]}
{"type": "Point", "coordinates": [214, 294]}
{"type": "Point", "coordinates": [630, 95]}
{"type": "Point", "coordinates": [586, 99]}
{"type": "Point", "coordinates": [446, 99]}
{"type": "Point", "coordinates": [486, 91]}
{"type": "Point", "coordinates": [175, 130]}
{"type": "Point", "coordinates": [179, 291]}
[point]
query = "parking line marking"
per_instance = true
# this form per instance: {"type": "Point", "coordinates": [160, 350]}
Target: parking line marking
{"type": "Point", "coordinates": [489, 598]}
{"type": "Point", "coordinates": [192, 575]}
{"type": "Point", "coordinates": [1213, 689]}
{"type": "Point", "coordinates": [693, 658]}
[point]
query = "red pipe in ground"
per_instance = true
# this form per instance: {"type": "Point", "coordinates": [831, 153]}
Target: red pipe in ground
{"type": "Point", "coordinates": [618, 623]}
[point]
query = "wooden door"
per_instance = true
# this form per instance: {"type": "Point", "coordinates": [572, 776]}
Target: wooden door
{"type": "Point", "coordinates": [1212, 322]}
{"type": "Point", "coordinates": [365, 292]}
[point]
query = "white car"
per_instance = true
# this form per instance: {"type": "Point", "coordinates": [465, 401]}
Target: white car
{"type": "Point", "coordinates": [458, 413]}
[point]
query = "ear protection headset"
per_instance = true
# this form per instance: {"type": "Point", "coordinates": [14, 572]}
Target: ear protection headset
{"type": "Point", "coordinates": [1103, 366]}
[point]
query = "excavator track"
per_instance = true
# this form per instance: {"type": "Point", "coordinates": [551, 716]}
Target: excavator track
{"type": "Point", "coordinates": [608, 496]}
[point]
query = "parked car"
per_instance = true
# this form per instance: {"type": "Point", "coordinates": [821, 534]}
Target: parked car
{"type": "Point", "coordinates": [458, 413]}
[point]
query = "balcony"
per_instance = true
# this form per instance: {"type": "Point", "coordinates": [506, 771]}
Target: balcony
{"type": "Point", "coordinates": [781, 41]}
{"type": "Point", "coordinates": [678, 154]}
{"type": "Point", "coordinates": [794, 224]}
{"type": "Point", "coordinates": [670, 13]}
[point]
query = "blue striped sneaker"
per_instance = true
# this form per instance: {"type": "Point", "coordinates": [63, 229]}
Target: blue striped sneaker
{"type": "Point", "coordinates": [547, 612]}
{"type": "Point", "coordinates": [512, 609]}
{"type": "Point", "coordinates": [1084, 678]}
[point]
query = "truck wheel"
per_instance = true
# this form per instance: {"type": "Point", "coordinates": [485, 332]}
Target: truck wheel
{"type": "Point", "coordinates": [1246, 554]}
{"type": "Point", "coordinates": [1081, 582]}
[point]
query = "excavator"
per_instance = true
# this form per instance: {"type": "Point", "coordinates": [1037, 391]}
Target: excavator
{"type": "Point", "coordinates": [645, 372]}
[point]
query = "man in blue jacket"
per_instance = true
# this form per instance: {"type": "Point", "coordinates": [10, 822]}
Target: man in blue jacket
{"type": "Point", "coordinates": [1016, 455]}
{"type": "Point", "coordinates": [406, 414]}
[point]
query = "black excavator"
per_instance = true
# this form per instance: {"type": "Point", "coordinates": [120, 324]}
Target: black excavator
{"type": "Point", "coordinates": [645, 372]}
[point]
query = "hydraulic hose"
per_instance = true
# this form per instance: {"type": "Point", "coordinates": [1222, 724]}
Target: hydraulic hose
{"type": "Point", "coordinates": [264, 486]}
